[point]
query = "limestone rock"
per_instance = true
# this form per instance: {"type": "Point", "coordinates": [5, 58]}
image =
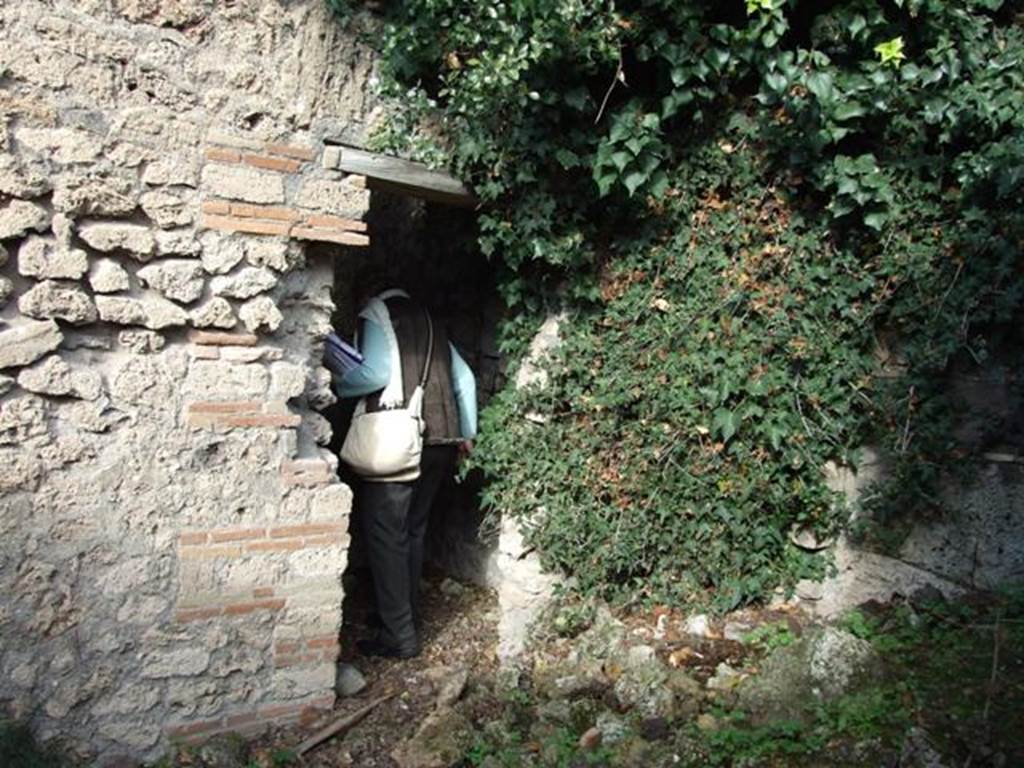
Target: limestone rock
{"type": "Point", "coordinates": [175, 170]}
{"type": "Point", "coordinates": [319, 427]}
{"type": "Point", "coordinates": [62, 145]}
{"type": "Point", "coordinates": [178, 242]}
{"type": "Point", "coordinates": [918, 751]}
{"type": "Point", "coordinates": [216, 313]}
{"type": "Point", "coordinates": [823, 665]}
{"type": "Point", "coordinates": [337, 197]}
{"type": "Point", "coordinates": [141, 342]}
{"type": "Point", "coordinates": [53, 300]}
{"type": "Point", "coordinates": [19, 217]}
{"type": "Point", "coordinates": [152, 312]}
{"type": "Point", "coordinates": [18, 181]}
{"type": "Point", "coordinates": [350, 681]}
{"type": "Point", "coordinates": [94, 195]}
{"type": "Point", "coordinates": [107, 276]}
{"type": "Point", "coordinates": [27, 342]}
{"type": "Point", "coordinates": [133, 238]}
{"type": "Point", "coordinates": [287, 380]}
{"type": "Point", "coordinates": [643, 684]}
{"type": "Point", "coordinates": [178, 13]}
{"type": "Point", "coordinates": [267, 252]}
{"type": "Point", "coordinates": [243, 183]}
{"type": "Point", "coordinates": [221, 254]}
{"type": "Point", "coordinates": [53, 376]}
{"type": "Point", "coordinates": [261, 313]}
{"type": "Point", "coordinates": [6, 384]}
{"type": "Point", "coordinates": [223, 751]}
{"type": "Point", "coordinates": [183, 661]}
{"type": "Point", "coordinates": [178, 279]}
{"type": "Point", "coordinates": [6, 289]}
{"type": "Point", "coordinates": [440, 741]}
{"type": "Point", "coordinates": [41, 257]}
{"type": "Point", "coordinates": [167, 210]}
{"type": "Point", "coordinates": [247, 283]}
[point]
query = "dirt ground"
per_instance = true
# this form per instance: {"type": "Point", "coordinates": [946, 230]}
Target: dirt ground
{"type": "Point", "coordinates": [460, 633]}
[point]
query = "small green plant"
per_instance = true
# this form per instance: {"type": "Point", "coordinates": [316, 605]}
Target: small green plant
{"type": "Point", "coordinates": [768, 637]}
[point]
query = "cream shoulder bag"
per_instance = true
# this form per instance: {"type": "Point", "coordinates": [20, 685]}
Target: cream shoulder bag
{"type": "Point", "coordinates": [386, 445]}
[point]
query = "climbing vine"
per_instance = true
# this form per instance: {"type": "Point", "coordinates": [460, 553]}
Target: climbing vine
{"type": "Point", "coordinates": [775, 226]}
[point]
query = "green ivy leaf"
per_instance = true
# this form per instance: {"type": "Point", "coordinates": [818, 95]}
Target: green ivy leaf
{"type": "Point", "coordinates": [890, 52]}
{"type": "Point", "coordinates": [725, 422]}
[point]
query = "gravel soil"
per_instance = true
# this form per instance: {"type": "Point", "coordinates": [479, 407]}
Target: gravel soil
{"type": "Point", "coordinates": [460, 633]}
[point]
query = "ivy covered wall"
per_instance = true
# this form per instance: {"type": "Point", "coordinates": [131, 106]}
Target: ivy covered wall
{"type": "Point", "coordinates": [778, 227]}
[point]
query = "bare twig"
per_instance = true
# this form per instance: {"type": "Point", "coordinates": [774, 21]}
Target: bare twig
{"type": "Point", "coordinates": [619, 77]}
{"type": "Point", "coordinates": [905, 439]}
{"type": "Point", "coordinates": [995, 666]}
{"type": "Point", "coordinates": [337, 726]}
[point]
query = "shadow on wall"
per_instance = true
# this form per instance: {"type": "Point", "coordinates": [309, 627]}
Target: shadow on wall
{"type": "Point", "coordinates": [430, 250]}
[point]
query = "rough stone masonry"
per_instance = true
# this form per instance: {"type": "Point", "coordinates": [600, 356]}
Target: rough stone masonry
{"type": "Point", "coordinates": [172, 532]}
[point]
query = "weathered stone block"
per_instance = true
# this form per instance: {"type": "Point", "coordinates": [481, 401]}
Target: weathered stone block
{"type": "Point", "coordinates": [19, 217]}
{"type": "Point", "coordinates": [27, 342]}
{"type": "Point", "coordinates": [94, 195]}
{"type": "Point", "coordinates": [335, 197]}
{"type": "Point", "coordinates": [245, 284]}
{"type": "Point", "coordinates": [176, 279]}
{"type": "Point", "coordinates": [241, 183]}
{"type": "Point", "coordinates": [330, 502]}
{"type": "Point", "coordinates": [63, 145]}
{"type": "Point", "coordinates": [179, 662]}
{"type": "Point", "coordinates": [19, 181]}
{"type": "Point", "coordinates": [261, 313]}
{"type": "Point", "coordinates": [267, 252]}
{"type": "Point", "coordinates": [53, 376]}
{"type": "Point", "coordinates": [167, 210]}
{"type": "Point", "coordinates": [179, 242]}
{"type": "Point", "coordinates": [136, 239]}
{"type": "Point", "coordinates": [41, 257]}
{"type": "Point", "coordinates": [220, 380]}
{"type": "Point", "coordinates": [174, 170]}
{"type": "Point", "coordinates": [152, 312]}
{"type": "Point", "coordinates": [107, 276]}
{"type": "Point", "coordinates": [53, 300]}
{"type": "Point", "coordinates": [287, 380]}
{"type": "Point", "coordinates": [221, 254]}
{"type": "Point", "coordinates": [6, 290]}
{"type": "Point", "coordinates": [216, 313]}
{"type": "Point", "coordinates": [141, 342]}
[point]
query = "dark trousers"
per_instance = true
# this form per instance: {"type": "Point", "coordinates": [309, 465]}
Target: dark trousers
{"type": "Point", "coordinates": [394, 520]}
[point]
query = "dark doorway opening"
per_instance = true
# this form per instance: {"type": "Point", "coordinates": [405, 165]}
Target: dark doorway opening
{"type": "Point", "coordinates": [430, 250]}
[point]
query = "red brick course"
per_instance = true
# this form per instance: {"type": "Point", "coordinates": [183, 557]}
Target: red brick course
{"type": "Point", "coordinates": [247, 225]}
{"type": "Point", "coordinates": [291, 150]}
{"type": "Point", "coordinates": [250, 722]}
{"type": "Point", "coordinates": [267, 162]}
{"type": "Point", "coordinates": [329, 236]}
{"type": "Point", "coordinates": [246, 413]}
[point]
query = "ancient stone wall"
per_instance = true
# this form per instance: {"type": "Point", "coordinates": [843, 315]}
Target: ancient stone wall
{"type": "Point", "coordinates": [172, 532]}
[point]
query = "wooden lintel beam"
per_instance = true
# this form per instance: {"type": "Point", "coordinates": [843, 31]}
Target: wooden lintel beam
{"type": "Point", "coordinates": [393, 174]}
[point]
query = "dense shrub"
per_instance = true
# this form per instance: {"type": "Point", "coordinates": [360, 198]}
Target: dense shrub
{"type": "Point", "coordinates": [775, 225]}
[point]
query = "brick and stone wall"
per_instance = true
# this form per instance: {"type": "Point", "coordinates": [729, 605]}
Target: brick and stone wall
{"type": "Point", "coordinates": [172, 530]}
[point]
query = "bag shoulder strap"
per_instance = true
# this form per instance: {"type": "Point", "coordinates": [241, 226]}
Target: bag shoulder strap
{"type": "Point", "coordinates": [430, 349]}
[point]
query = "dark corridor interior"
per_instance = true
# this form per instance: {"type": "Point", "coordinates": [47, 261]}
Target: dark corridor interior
{"type": "Point", "coordinates": [429, 250]}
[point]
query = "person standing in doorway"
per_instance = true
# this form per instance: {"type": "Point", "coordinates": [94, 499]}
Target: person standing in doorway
{"type": "Point", "coordinates": [393, 343]}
